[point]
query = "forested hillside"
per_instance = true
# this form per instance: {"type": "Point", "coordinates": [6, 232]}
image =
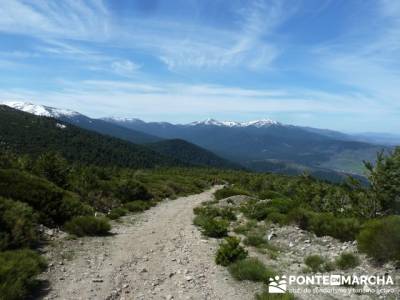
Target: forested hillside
{"type": "Point", "coordinates": [28, 134]}
{"type": "Point", "coordinates": [191, 154]}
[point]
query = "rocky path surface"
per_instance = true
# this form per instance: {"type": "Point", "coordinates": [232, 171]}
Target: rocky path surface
{"type": "Point", "coordinates": [159, 254]}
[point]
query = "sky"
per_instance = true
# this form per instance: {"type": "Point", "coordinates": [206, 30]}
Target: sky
{"type": "Point", "coordinates": [322, 63]}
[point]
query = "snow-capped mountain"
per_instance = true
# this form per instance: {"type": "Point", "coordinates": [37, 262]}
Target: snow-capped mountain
{"type": "Point", "coordinates": [256, 123]}
{"type": "Point", "coordinates": [41, 110]}
{"type": "Point", "coordinates": [80, 120]}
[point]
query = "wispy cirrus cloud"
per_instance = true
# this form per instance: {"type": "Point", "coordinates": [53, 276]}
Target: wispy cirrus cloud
{"type": "Point", "coordinates": [177, 45]}
{"type": "Point", "coordinates": [55, 19]}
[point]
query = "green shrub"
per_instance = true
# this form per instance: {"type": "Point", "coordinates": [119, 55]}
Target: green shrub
{"type": "Point", "coordinates": [53, 204]}
{"type": "Point", "coordinates": [18, 271]}
{"type": "Point", "coordinates": [227, 213]}
{"type": "Point", "coordinates": [138, 205]}
{"type": "Point", "coordinates": [257, 210]}
{"type": "Point", "coordinates": [380, 239]}
{"type": "Point", "coordinates": [282, 205]}
{"type": "Point", "coordinates": [18, 223]}
{"type": "Point", "coordinates": [130, 190]}
{"type": "Point", "coordinates": [212, 227]}
{"type": "Point", "coordinates": [268, 296]}
{"type": "Point", "coordinates": [88, 225]}
{"type": "Point", "coordinates": [315, 263]}
{"type": "Point", "coordinates": [117, 212]}
{"type": "Point", "coordinates": [72, 206]}
{"type": "Point", "coordinates": [267, 194]}
{"type": "Point", "coordinates": [230, 251]}
{"type": "Point", "coordinates": [53, 167]}
{"type": "Point", "coordinates": [347, 261]}
{"type": "Point", "coordinates": [228, 192]}
{"type": "Point", "coordinates": [278, 218]}
{"type": "Point", "coordinates": [255, 239]}
{"type": "Point", "coordinates": [344, 229]}
{"type": "Point", "coordinates": [212, 212]}
{"type": "Point", "coordinates": [215, 228]}
{"type": "Point", "coordinates": [243, 228]}
{"type": "Point", "coordinates": [250, 269]}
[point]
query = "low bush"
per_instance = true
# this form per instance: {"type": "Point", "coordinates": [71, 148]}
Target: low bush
{"type": "Point", "coordinates": [268, 194]}
{"type": "Point", "coordinates": [130, 190]}
{"type": "Point", "coordinates": [117, 212]}
{"type": "Point", "coordinates": [18, 223]}
{"type": "Point", "coordinates": [380, 239]}
{"type": "Point", "coordinates": [344, 229]}
{"type": "Point", "coordinates": [53, 204]}
{"type": "Point", "coordinates": [257, 210]}
{"type": "Point", "coordinates": [255, 239]}
{"type": "Point", "coordinates": [212, 227]}
{"type": "Point", "coordinates": [88, 225]}
{"type": "Point", "coordinates": [347, 261]}
{"type": "Point", "coordinates": [250, 269]}
{"type": "Point", "coordinates": [230, 251]}
{"type": "Point", "coordinates": [315, 263]}
{"type": "Point", "coordinates": [244, 228]}
{"type": "Point", "coordinates": [278, 218]}
{"type": "Point", "coordinates": [212, 212]}
{"type": "Point", "coordinates": [215, 228]}
{"type": "Point", "coordinates": [138, 205]}
{"type": "Point", "coordinates": [261, 210]}
{"type": "Point", "coordinates": [18, 271]}
{"type": "Point", "coordinates": [228, 192]}
{"type": "Point", "coordinates": [282, 205]}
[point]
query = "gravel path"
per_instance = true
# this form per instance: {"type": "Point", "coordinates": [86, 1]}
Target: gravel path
{"type": "Point", "coordinates": [159, 254]}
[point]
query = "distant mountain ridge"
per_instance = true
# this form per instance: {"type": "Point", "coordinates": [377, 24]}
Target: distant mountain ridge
{"type": "Point", "coordinates": [261, 145]}
{"type": "Point", "coordinates": [175, 150]}
{"type": "Point", "coordinates": [26, 133]}
{"type": "Point", "coordinates": [261, 140]}
{"type": "Point", "coordinates": [85, 122]}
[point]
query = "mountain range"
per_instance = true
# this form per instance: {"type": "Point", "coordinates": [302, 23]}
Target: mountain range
{"type": "Point", "coordinates": [264, 143]}
{"type": "Point", "coordinates": [27, 133]}
{"type": "Point", "coordinates": [261, 145]}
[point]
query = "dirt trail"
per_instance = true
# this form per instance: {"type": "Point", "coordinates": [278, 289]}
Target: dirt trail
{"type": "Point", "coordinates": [159, 254]}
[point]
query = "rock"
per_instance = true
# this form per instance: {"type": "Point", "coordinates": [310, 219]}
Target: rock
{"type": "Point", "coordinates": [171, 274]}
{"type": "Point", "coordinates": [144, 270]}
{"type": "Point", "coordinates": [234, 200]}
{"type": "Point", "coordinates": [307, 241]}
{"type": "Point", "coordinates": [271, 236]}
{"type": "Point", "coordinates": [188, 278]}
{"type": "Point", "coordinates": [97, 280]}
{"type": "Point", "coordinates": [169, 297]}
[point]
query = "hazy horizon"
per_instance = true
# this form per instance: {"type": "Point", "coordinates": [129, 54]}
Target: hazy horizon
{"type": "Point", "coordinates": [324, 64]}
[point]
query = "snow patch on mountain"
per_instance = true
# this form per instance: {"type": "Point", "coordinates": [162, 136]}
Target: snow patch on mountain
{"type": "Point", "coordinates": [256, 123]}
{"type": "Point", "coordinates": [40, 110]}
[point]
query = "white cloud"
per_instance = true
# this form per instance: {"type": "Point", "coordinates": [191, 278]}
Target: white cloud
{"type": "Point", "coordinates": [177, 44]}
{"type": "Point", "coordinates": [124, 67]}
{"type": "Point", "coordinates": [98, 98]}
{"type": "Point", "coordinates": [85, 20]}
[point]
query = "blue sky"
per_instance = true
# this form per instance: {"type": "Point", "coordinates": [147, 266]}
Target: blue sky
{"type": "Point", "coordinates": [331, 64]}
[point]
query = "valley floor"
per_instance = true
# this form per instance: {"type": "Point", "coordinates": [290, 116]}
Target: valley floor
{"type": "Point", "coordinates": [159, 254]}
